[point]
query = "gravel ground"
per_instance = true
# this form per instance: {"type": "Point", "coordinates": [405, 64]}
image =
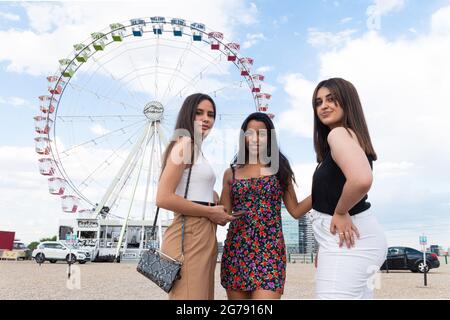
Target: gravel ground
{"type": "Point", "coordinates": [28, 280]}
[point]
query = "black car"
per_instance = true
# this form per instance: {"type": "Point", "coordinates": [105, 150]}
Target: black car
{"type": "Point", "coordinates": [404, 258]}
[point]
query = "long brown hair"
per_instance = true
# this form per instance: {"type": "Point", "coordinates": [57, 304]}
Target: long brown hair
{"type": "Point", "coordinates": [185, 122]}
{"type": "Point", "coordinates": [346, 95]}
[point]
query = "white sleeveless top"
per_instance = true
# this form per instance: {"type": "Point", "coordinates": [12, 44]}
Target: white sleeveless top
{"type": "Point", "coordinates": [201, 185]}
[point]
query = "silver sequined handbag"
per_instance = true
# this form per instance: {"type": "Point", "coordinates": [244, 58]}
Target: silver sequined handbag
{"type": "Point", "coordinates": [159, 267]}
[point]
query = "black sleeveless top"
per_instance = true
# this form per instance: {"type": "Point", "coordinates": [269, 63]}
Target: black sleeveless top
{"type": "Point", "coordinates": [328, 182]}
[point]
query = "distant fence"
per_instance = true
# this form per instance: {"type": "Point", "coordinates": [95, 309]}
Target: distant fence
{"type": "Point", "coordinates": [301, 257]}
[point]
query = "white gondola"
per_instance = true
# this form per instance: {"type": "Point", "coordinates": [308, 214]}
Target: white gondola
{"type": "Point", "coordinates": [47, 166]}
{"type": "Point", "coordinates": [55, 85]}
{"type": "Point", "coordinates": [245, 66]}
{"type": "Point", "coordinates": [232, 49]}
{"type": "Point", "coordinates": [57, 186]}
{"type": "Point", "coordinates": [42, 124]}
{"type": "Point", "coordinates": [215, 39]}
{"type": "Point", "coordinates": [256, 82]}
{"type": "Point", "coordinates": [42, 145]}
{"type": "Point", "coordinates": [47, 104]}
{"type": "Point", "coordinates": [70, 204]}
{"type": "Point", "coordinates": [263, 101]}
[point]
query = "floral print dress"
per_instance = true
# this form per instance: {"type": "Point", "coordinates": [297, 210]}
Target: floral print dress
{"type": "Point", "coordinates": [254, 255]}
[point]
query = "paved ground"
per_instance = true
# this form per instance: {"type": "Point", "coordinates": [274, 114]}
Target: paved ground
{"type": "Point", "coordinates": [28, 280]}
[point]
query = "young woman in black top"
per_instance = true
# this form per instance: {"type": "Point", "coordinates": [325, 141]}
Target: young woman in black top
{"type": "Point", "coordinates": [341, 214]}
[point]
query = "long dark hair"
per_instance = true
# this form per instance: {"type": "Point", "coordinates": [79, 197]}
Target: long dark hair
{"type": "Point", "coordinates": [284, 173]}
{"type": "Point", "coordinates": [348, 99]}
{"type": "Point", "coordinates": [185, 121]}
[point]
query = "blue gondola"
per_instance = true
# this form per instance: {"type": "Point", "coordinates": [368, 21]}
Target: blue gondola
{"type": "Point", "coordinates": [178, 25]}
{"type": "Point", "coordinates": [137, 27]}
{"type": "Point", "coordinates": [197, 31]}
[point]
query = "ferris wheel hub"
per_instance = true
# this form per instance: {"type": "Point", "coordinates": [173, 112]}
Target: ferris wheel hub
{"type": "Point", "coordinates": [154, 111]}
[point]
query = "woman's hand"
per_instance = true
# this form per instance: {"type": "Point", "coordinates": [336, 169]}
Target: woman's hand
{"type": "Point", "coordinates": [218, 215]}
{"type": "Point", "coordinates": [342, 223]}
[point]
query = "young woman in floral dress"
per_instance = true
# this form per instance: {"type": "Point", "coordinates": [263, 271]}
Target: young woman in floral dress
{"type": "Point", "coordinates": [254, 258]}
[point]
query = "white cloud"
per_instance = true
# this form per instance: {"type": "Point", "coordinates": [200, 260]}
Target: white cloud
{"type": "Point", "coordinates": [264, 69]}
{"type": "Point", "coordinates": [385, 168]}
{"type": "Point", "coordinates": [383, 7]}
{"type": "Point", "coordinates": [16, 102]}
{"type": "Point", "coordinates": [318, 38]}
{"type": "Point", "coordinates": [9, 16]}
{"type": "Point", "coordinates": [26, 206]}
{"type": "Point", "coordinates": [99, 130]}
{"type": "Point", "coordinates": [440, 22]}
{"type": "Point", "coordinates": [298, 119]}
{"type": "Point", "coordinates": [253, 39]}
{"type": "Point", "coordinates": [346, 20]}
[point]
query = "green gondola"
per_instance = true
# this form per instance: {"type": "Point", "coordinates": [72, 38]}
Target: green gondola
{"type": "Point", "coordinates": [118, 31]}
{"type": "Point", "coordinates": [99, 43]}
{"type": "Point", "coordinates": [67, 67]}
{"type": "Point", "coordinates": [82, 52]}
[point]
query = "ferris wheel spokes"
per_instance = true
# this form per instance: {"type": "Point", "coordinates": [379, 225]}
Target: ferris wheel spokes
{"type": "Point", "coordinates": [177, 68]}
{"type": "Point", "coordinates": [148, 135]}
{"type": "Point", "coordinates": [100, 96]}
{"type": "Point", "coordinates": [139, 103]}
{"type": "Point", "coordinates": [115, 154]}
{"type": "Point", "coordinates": [126, 165]}
{"type": "Point", "coordinates": [95, 140]}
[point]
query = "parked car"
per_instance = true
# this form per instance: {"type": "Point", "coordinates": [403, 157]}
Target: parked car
{"type": "Point", "coordinates": [54, 251]}
{"type": "Point", "coordinates": [23, 253]}
{"type": "Point", "coordinates": [404, 258]}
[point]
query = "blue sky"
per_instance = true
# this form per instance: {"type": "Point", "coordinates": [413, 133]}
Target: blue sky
{"type": "Point", "coordinates": [399, 67]}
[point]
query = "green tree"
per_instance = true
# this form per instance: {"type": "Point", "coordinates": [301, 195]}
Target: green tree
{"type": "Point", "coordinates": [33, 245]}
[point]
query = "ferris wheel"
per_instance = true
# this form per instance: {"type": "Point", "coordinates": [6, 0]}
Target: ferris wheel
{"type": "Point", "coordinates": [112, 105]}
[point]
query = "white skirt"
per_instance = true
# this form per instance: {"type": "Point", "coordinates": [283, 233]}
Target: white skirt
{"type": "Point", "coordinates": [344, 273]}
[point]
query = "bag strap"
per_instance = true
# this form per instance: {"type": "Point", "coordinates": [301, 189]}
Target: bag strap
{"type": "Point", "coordinates": [183, 217]}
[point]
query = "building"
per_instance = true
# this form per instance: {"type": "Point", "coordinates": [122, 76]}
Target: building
{"type": "Point", "coordinates": [101, 236]}
{"type": "Point", "coordinates": [298, 234]}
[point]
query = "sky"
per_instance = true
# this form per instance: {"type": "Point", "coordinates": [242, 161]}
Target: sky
{"type": "Point", "coordinates": [395, 52]}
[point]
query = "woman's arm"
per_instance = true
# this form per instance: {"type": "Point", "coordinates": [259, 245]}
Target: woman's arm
{"type": "Point", "coordinates": [225, 197]}
{"type": "Point", "coordinates": [167, 198]}
{"type": "Point", "coordinates": [352, 160]}
{"type": "Point", "coordinates": [296, 209]}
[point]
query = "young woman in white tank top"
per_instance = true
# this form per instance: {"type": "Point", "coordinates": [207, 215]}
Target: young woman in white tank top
{"type": "Point", "coordinates": [198, 212]}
